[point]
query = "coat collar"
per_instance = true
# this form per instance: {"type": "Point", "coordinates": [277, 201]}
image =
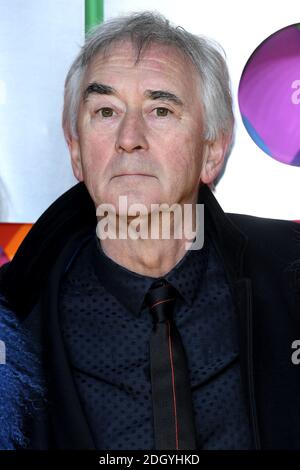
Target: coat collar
{"type": "Point", "coordinates": [229, 240]}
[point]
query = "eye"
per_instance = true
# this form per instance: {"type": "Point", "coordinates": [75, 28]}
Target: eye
{"type": "Point", "coordinates": [106, 112]}
{"type": "Point", "coordinates": [162, 112]}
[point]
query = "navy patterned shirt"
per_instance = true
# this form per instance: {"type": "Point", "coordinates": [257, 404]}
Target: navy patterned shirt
{"type": "Point", "coordinates": [106, 329]}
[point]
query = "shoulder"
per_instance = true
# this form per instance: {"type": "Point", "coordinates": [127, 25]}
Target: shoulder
{"type": "Point", "coordinates": [253, 224]}
{"type": "Point", "coordinates": [270, 237]}
{"type": "Point", "coordinates": [21, 385]}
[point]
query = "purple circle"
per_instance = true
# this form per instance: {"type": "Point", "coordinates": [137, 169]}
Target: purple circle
{"type": "Point", "coordinates": [269, 95]}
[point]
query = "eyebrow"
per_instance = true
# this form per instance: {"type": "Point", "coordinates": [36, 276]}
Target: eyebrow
{"type": "Point", "coordinates": [163, 95]}
{"type": "Point", "coordinates": [101, 89]}
{"type": "Point", "coordinates": [98, 88]}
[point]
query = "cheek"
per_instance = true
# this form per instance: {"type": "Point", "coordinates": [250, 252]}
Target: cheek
{"type": "Point", "coordinates": [96, 150]}
{"type": "Point", "coordinates": [183, 149]}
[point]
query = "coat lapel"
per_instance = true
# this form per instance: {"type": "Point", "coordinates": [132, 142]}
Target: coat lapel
{"type": "Point", "coordinates": [231, 245]}
{"type": "Point", "coordinates": [69, 426]}
{"type": "Point", "coordinates": [243, 298]}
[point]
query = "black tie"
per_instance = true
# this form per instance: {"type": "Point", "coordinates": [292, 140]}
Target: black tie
{"type": "Point", "coordinates": [174, 422]}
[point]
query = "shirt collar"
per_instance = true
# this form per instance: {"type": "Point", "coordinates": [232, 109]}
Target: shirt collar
{"type": "Point", "coordinates": [130, 287]}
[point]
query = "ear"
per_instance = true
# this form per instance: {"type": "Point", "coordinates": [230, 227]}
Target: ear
{"type": "Point", "coordinates": [75, 154]}
{"type": "Point", "coordinates": [213, 158]}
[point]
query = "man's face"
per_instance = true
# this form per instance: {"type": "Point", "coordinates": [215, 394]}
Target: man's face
{"type": "Point", "coordinates": [144, 119]}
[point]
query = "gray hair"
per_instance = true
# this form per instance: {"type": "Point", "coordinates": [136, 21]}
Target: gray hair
{"type": "Point", "coordinates": [144, 28]}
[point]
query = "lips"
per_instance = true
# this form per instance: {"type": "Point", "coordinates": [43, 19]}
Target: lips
{"type": "Point", "coordinates": [133, 174]}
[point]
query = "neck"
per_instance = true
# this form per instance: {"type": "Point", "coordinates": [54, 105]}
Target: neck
{"type": "Point", "coordinates": [153, 258]}
{"type": "Point", "coordinates": [145, 253]}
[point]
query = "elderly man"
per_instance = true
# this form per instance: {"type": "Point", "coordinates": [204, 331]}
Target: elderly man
{"type": "Point", "coordinates": [146, 342]}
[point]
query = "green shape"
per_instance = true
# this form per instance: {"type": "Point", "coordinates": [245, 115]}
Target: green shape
{"type": "Point", "coordinates": [298, 25]}
{"type": "Point", "coordinates": [93, 13]}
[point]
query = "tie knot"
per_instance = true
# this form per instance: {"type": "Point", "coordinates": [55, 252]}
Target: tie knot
{"type": "Point", "coordinates": [160, 300]}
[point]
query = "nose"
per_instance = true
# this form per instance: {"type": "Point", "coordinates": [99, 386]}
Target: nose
{"type": "Point", "coordinates": [132, 133]}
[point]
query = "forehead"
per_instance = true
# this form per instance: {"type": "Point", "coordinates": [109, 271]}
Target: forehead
{"type": "Point", "coordinates": [157, 63]}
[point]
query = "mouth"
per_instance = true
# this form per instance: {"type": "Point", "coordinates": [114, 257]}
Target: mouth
{"type": "Point", "coordinates": [131, 174]}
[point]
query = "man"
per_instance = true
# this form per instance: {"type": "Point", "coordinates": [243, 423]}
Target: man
{"type": "Point", "coordinates": [148, 115]}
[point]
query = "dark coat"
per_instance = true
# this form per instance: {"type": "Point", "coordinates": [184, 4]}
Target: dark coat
{"type": "Point", "coordinates": [262, 261]}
